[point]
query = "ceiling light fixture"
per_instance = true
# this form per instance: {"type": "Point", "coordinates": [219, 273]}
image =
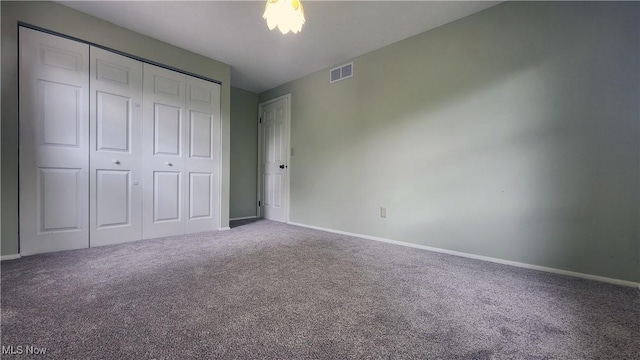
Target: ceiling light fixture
{"type": "Point", "coordinates": [287, 15]}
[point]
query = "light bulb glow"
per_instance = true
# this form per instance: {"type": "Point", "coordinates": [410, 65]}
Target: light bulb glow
{"type": "Point", "coordinates": [286, 15]}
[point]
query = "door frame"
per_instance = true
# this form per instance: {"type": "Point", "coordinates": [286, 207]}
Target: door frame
{"type": "Point", "coordinates": [287, 176]}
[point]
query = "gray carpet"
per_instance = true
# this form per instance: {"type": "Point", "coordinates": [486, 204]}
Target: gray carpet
{"type": "Point", "coordinates": [270, 290]}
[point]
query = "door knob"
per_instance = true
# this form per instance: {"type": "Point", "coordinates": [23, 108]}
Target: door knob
{"type": "Point", "coordinates": [117, 162]}
{"type": "Point", "coordinates": [281, 166]}
{"type": "Point", "coordinates": [136, 183]}
{"type": "Point", "coordinates": [169, 164]}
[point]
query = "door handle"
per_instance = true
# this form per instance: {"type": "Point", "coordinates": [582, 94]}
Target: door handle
{"type": "Point", "coordinates": [117, 162]}
{"type": "Point", "coordinates": [169, 164]}
{"type": "Point", "coordinates": [283, 166]}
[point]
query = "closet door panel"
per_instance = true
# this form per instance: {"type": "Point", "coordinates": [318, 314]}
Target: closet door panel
{"type": "Point", "coordinates": [116, 150]}
{"type": "Point", "coordinates": [113, 199]}
{"type": "Point", "coordinates": [203, 156]}
{"type": "Point", "coordinates": [54, 143]}
{"type": "Point", "coordinates": [163, 152]}
{"type": "Point", "coordinates": [113, 122]}
{"type": "Point", "coordinates": [167, 128]}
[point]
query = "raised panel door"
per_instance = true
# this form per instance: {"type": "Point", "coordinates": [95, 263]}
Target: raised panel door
{"type": "Point", "coordinates": [164, 149]}
{"type": "Point", "coordinates": [116, 150]}
{"type": "Point", "coordinates": [202, 150]}
{"type": "Point", "coordinates": [54, 143]}
{"type": "Point", "coordinates": [274, 166]}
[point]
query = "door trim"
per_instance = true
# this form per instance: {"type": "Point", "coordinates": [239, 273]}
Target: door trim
{"type": "Point", "coordinates": [287, 177]}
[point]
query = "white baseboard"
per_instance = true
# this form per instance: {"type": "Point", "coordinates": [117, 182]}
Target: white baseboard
{"type": "Point", "coordinates": [224, 229]}
{"type": "Point", "coordinates": [10, 257]}
{"type": "Point", "coordinates": [480, 257]}
{"type": "Point", "coordinates": [244, 218]}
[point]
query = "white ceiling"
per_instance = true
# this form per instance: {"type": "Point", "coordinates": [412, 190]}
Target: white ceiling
{"type": "Point", "coordinates": [235, 33]}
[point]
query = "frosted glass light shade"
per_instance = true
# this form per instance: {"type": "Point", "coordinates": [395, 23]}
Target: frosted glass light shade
{"type": "Point", "coordinates": [287, 15]}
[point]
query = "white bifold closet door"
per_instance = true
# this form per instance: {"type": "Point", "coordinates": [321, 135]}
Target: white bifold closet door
{"type": "Point", "coordinates": [181, 153]}
{"type": "Point", "coordinates": [112, 150]}
{"type": "Point", "coordinates": [116, 148]}
{"type": "Point", "coordinates": [54, 143]}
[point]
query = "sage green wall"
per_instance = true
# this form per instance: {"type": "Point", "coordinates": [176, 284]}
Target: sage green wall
{"type": "Point", "coordinates": [512, 133]}
{"type": "Point", "coordinates": [70, 22]}
{"type": "Point", "coordinates": [244, 153]}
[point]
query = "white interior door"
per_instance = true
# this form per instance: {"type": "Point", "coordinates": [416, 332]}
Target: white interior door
{"type": "Point", "coordinates": [202, 203]}
{"type": "Point", "coordinates": [54, 143]}
{"type": "Point", "coordinates": [163, 144]}
{"type": "Point", "coordinates": [116, 148]}
{"type": "Point", "coordinates": [274, 122]}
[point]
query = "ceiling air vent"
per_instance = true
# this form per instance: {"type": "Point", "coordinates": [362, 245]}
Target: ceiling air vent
{"type": "Point", "coordinates": [341, 72]}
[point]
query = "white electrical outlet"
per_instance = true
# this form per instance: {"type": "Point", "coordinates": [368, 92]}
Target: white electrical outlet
{"type": "Point", "coordinates": [383, 212]}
